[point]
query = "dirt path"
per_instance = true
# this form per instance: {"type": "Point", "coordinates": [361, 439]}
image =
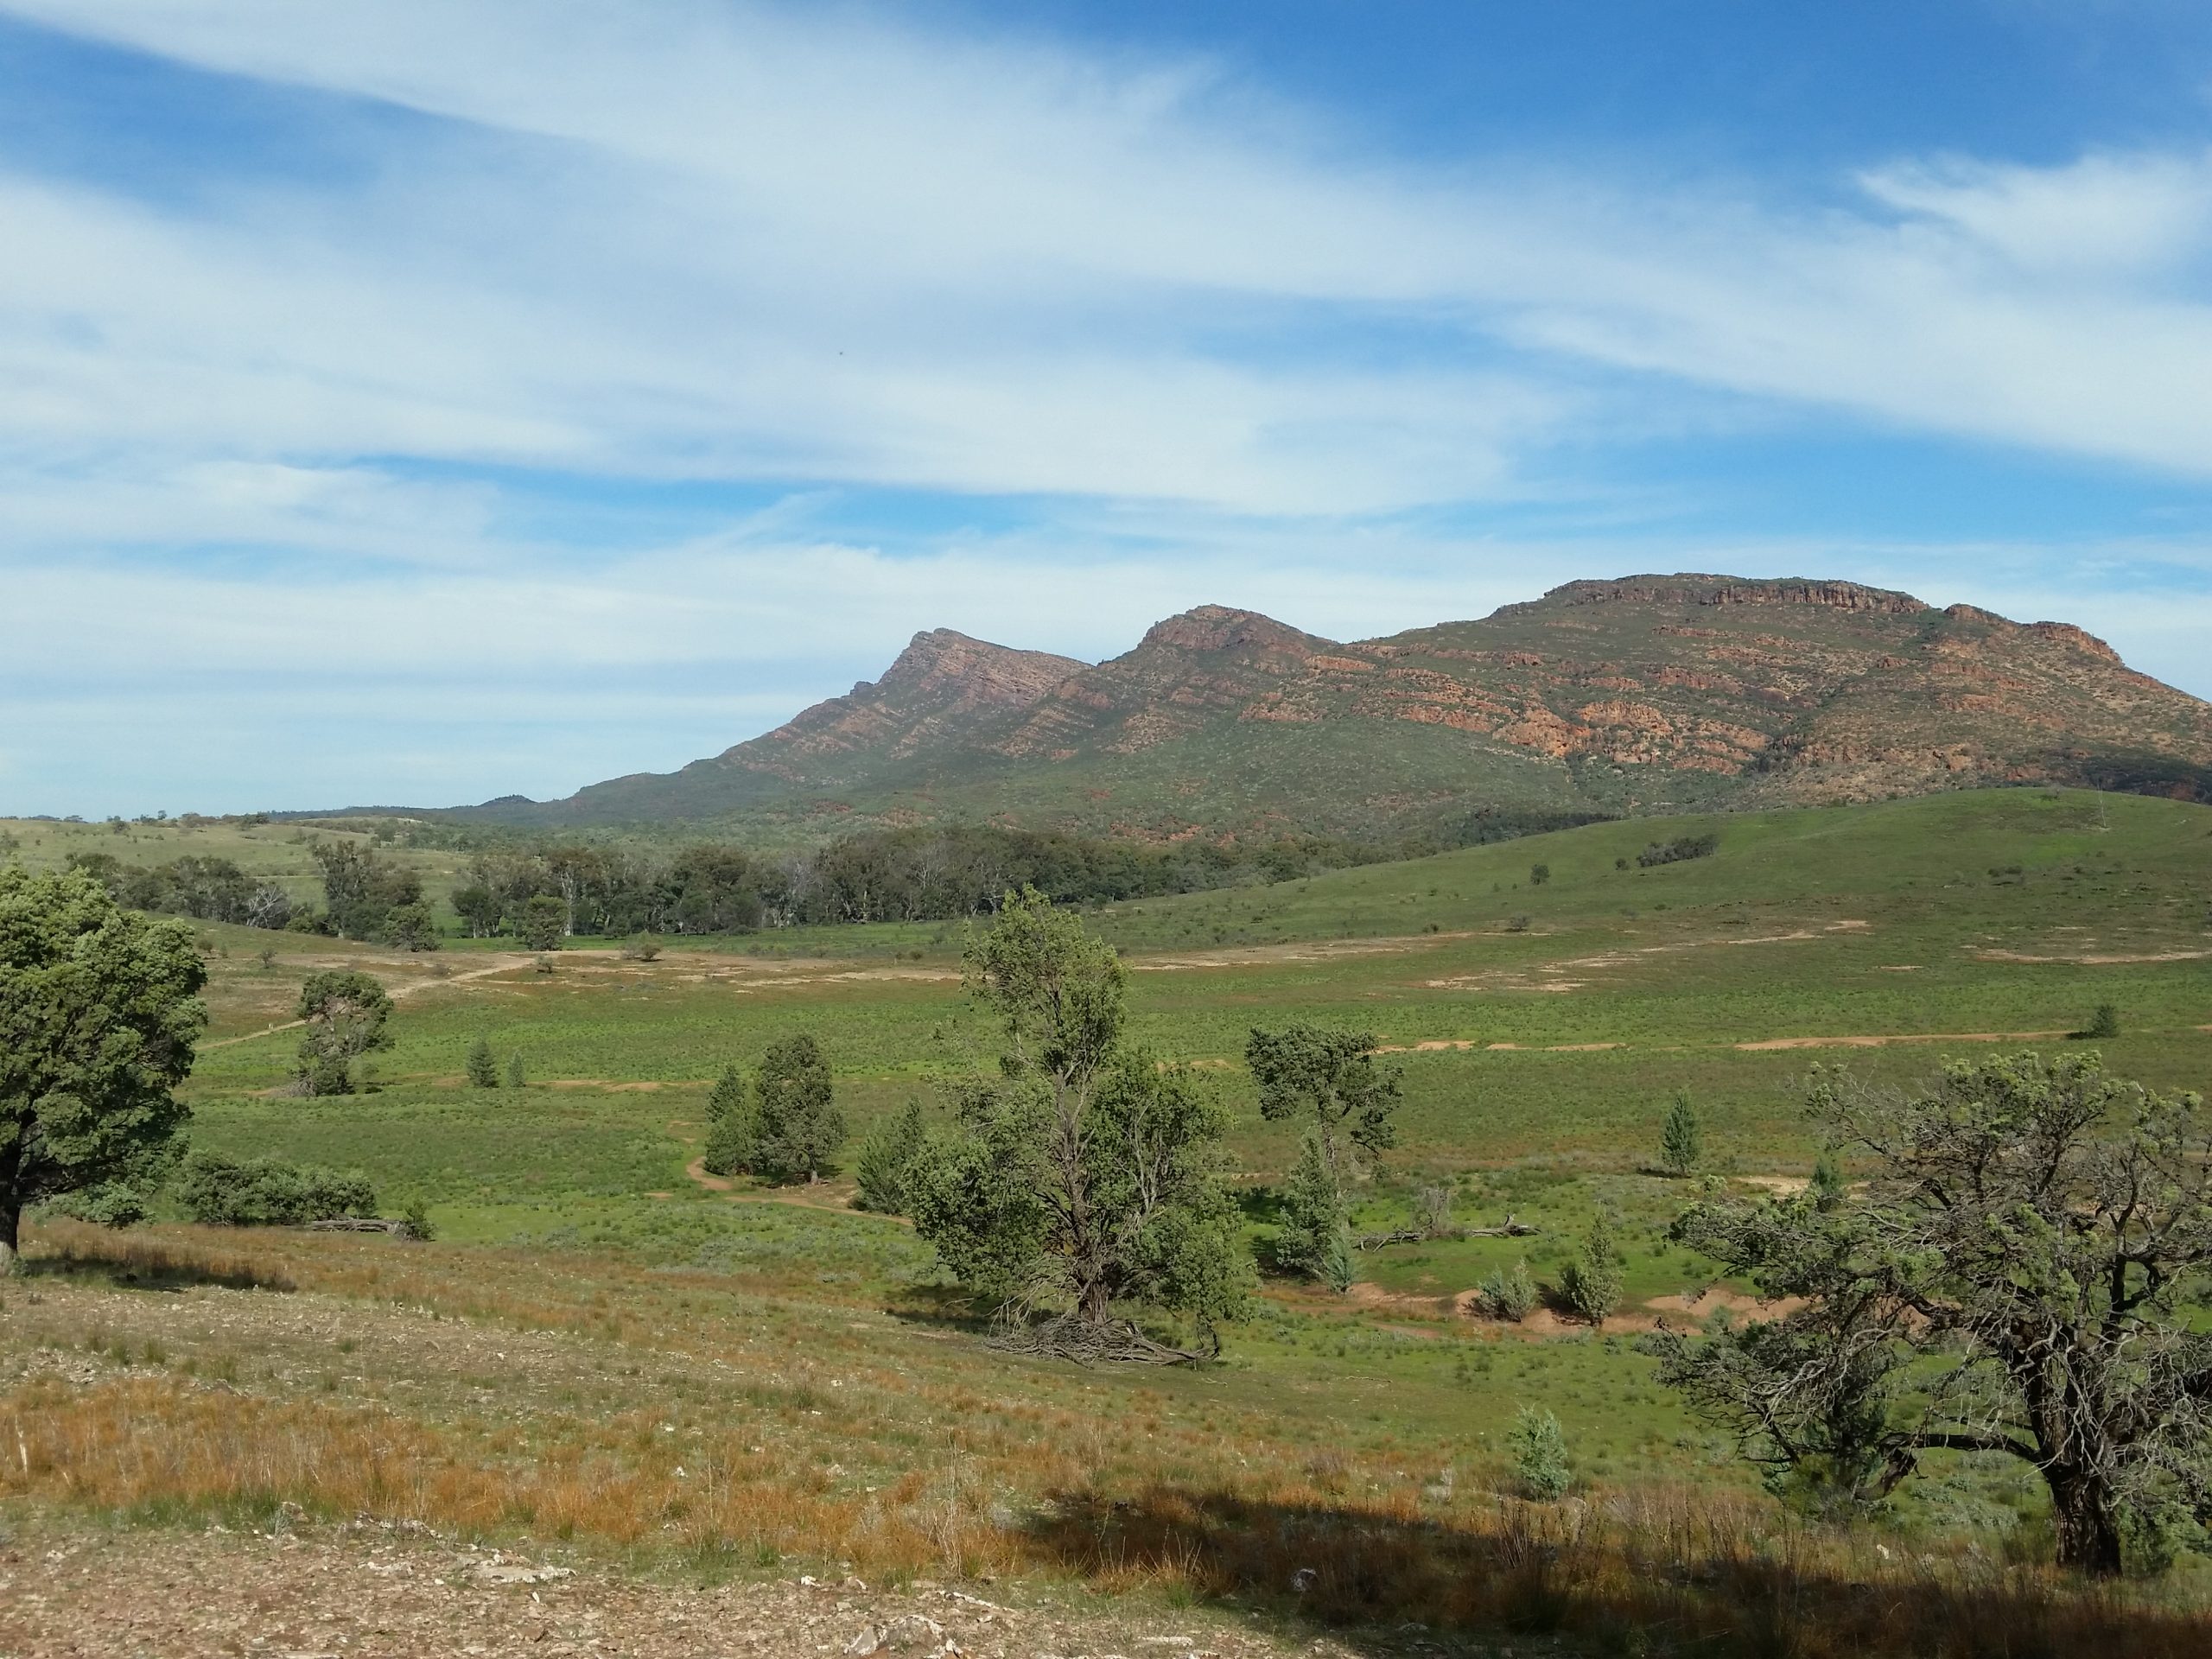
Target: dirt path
{"type": "Point", "coordinates": [823, 1198]}
{"type": "Point", "coordinates": [377, 1593]}
{"type": "Point", "coordinates": [1862, 1041]}
{"type": "Point", "coordinates": [506, 964]}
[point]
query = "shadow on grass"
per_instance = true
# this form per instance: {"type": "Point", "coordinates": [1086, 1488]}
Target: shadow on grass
{"type": "Point", "coordinates": [126, 1261]}
{"type": "Point", "coordinates": [1635, 1575]}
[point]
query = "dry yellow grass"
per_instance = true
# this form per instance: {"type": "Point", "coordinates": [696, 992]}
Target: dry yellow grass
{"type": "Point", "coordinates": [493, 1397]}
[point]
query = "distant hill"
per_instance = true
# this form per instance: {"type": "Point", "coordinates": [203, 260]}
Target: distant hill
{"type": "Point", "coordinates": [1646, 694]}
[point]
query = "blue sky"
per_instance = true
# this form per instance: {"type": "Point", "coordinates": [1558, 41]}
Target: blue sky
{"type": "Point", "coordinates": [434, 399]}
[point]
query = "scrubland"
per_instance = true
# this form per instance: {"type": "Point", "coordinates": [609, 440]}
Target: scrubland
{"type": "Point", "coordinates": [603, 1362]}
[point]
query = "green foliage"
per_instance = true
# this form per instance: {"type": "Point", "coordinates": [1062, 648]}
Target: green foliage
{"type": "Point", "coordinates": [1312, 1242]}
{"type": "Point", "coordinates": [1682, 1137]}
{"type": "Point", "coordinates": [887, 1161]}
{"type": "Point", "coordinates": [99, 1017]}
{"type": "Point", "coordinates": [797, 1129]}
{"type": "Point", "coordinates": [1593, 1281]}
{"type": "Point", "coordinates": [347, 1014]}
{"type": "Point", "coordinates": [111, 1204]}
{"type": "Point", "coordinates": [417, 1217]}
{"type": "Point", "coordinates": [1509, 1293]}
{"type": "Point", "coordinates": [2018, 1281]}
{"type": "Point", "coordinates": [732, 1128]}
{"type": "Point", "coordinates": [1538, 1449]}
{"type": "Point", "coordinates": [1085, 1175]}
{"type": "Point", "coordinates": [1827, 1189]}
{"type": "Point", "coordinates": [2105, 1023]}
{"type": "Point", "coordinates": [483, 1070]}
{"type": "Point", "coordinates": [411, 928]}
{"type": "Point", "coordinates": [515, 1078]}
{"type": "Point", "coordinates": [543, 923]}
{"type": "Point", "coordinates": [1330, 1078]}
{"type": "Point", "coordinates": [361, 888]}
{"type": "Point", "coordinates": [1539, 873]}
{"type": "Point", "coordinates": [1680, 849]}
{"type": "Point", "coordinates": [268, 1191]}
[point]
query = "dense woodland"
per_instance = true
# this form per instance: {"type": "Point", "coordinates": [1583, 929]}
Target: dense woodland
{"type": "Point", "coordinates": [540, 892]}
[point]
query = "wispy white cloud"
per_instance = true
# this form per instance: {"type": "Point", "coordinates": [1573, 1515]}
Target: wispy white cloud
{"type": "Point", "coordinates": [1235, 349]}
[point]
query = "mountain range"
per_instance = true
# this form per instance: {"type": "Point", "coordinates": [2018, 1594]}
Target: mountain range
{"type": "Point", "coordinates": [1645, 695]}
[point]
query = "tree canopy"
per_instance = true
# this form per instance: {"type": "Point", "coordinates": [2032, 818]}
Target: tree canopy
{"type": "Point", "coordinates": [797, 1128]}
{"type": "Point", "coordinates": [98, 1015]}
{"type": "Point", "coordinates": [2018, 1279]}
{"type": "Point", "coordinates": [1085, 1175]}
{"type": "Point", "coordinates": [346, 1014]}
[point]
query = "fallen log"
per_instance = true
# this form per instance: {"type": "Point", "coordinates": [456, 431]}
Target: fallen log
{"type": "Point", "coordinates": [396, 1229]}
{"type": "Point", "coordinates": [1509, 1229]}
{"type": "Point", "coordinates": [1088, 1341]}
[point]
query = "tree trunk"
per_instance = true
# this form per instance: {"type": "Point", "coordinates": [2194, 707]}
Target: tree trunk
{"type": "Point", "coordinates": [2088, 1526]}
{"type": "Point", "coordinates": [11, 1221]}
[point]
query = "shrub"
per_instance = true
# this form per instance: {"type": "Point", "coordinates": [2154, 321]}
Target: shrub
{"type": "Point", "coordinates": [1539, 1454]}
{"type": "Point", "coordinates": [641, 948]}
{"type": "Point", "coordinates": [417, 1217]}
{"type": "Point", "coordinates": [1539, 873]}
{"type": "Point", "coordinates": [887, 1159]}
{"type": "Point", "coordinates": [544, 923]}
{"type": "Point", "coordinates": [1682, 1137]}
{"type": "Point", "coordinates": [482, 1072]}
{"type": "Point", "coordinates": [1826, 1185]}
{"type": "Point", "coordinates": [111, 1204]}
{"type": "Point", "coordinates": [269, 1191]}
{"type": "Point", "coordinates": [1682, 848]}
{"type": "Point", "coordinates": [1591, 1282]}
{"type": "Point", "coordinates": [730, 1125]}
{"type": "Point", "coordinates": [2105, 1022]}
{"type": "Point", "coordinates": [515, 1079]}
{"type": "Point", "coordinates": [1509, 1295]}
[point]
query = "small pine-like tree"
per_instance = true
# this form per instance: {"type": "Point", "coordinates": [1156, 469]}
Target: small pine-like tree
{"type": "Point", "coordinates": [887, 1157]}
{"type": "Point", "coordinates": [1539, 1453]}
{"type": "Point", "coordinates": [800, 1127]}
{"type": "Point", "coordinates": [1826, 1185]}
{"type": "Point", "coordinates": [483, 1073]}
{"type": "Point", "coordinates": [1682, 1137]}
{"type": "Point", "coordinates": [514, 1069]}
{"type": "Point", "coordinates": [1509, 1295]}
{"type": "Point", "coordinates": [730, 1125]}
{"type": "Point", "coordinates": [1592, 1281]}
{"type": "Point", "coordinates": [2105, 1023]}
{"type": "Point", "coordinates": [1313, 1217]}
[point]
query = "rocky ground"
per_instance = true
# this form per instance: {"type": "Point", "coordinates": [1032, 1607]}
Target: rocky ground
{"type": "Point", "coordinates": [339, 1594]}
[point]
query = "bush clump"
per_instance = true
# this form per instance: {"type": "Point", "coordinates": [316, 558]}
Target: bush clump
{"type": "Point", "coordinates": [269, 1191]}
{"type": "Point", "coordinates": [887, 1161]}
{"type": "Point", "coordinates": [1509, 1295]}
{"type": "Point", "coordinates": [1539, 1453]}
{"type": "Point", "coordinates": [1678, 849]}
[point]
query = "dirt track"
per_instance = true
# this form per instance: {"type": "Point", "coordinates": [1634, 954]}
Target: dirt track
{"type": "Point", "coordinates": [370, 1590]}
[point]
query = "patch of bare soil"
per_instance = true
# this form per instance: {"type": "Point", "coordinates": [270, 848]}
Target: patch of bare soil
{"type": "Point", "coordinates": [820, 1195]}
{"type": "Point", "coordinates": [370, 1590]}
{"type": "Point", "coordinates": [1783, 1187]}
{"type": "Point", "coordinates": [2097, 959]}
{"type": "Point", "coordinates": [505, 964]}
{"type": "Point", "coordinates": [1304, 950]}
{"type": "Point", "coordinates": [1870, 1041]}
{"type": "Point", "coordinates": [1703, 1306]}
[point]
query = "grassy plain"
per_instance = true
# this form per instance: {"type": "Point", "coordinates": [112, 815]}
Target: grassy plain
{"type": "Point", "coordinates": [592, 1318]}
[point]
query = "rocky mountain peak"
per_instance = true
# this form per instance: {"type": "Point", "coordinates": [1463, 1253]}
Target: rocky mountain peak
{"type": "Point", "coordinates": [1226, 628]}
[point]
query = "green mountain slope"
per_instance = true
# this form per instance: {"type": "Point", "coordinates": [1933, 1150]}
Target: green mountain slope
{"type": "Point", "coordinates": [1652, 694]}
